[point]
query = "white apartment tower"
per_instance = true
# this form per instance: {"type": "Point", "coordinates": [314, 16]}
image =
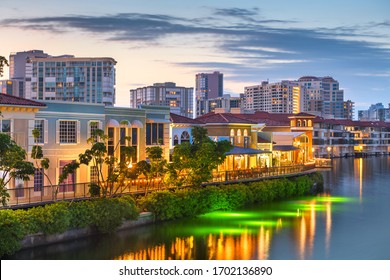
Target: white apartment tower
{"type": "Point", "coordinates": [65, 78]}
{"type": "Point", "coordinates": [282, 97]}
{"type": "Point", "coordinates": [179, 99]}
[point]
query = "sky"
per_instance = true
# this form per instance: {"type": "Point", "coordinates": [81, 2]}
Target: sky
{"type": "Point", "coordinates": [249, 41]}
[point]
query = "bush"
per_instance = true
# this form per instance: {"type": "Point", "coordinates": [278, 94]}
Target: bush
{"type": "Point", "coordinates": [94, 190]}
{"type": "Point", "coordinates": [11, 232]}
{"type": "Point", "coordinates": [52, 218]}
{"type": "Point", "coordinates": [81, 214]}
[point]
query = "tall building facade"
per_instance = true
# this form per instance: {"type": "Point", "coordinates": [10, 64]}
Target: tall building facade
{"type": "Point", "coordinates": [225, 103]}
{"type": "Point", "coordinates": [323, 97]}
{"type": "Point", "coordinates": [313, 98]}
{"type": "Point", "coordinates": [13, 87]}
{"type": "Point", "coordinates": [319, 96]}
{"type": "Point", "coordinates": [207, 86]}
{"type": "Point", "coordinates": [376, 112]}
{"type": "Point", "coordinates": [63, 78]}
{"type": "Point", "coordinates": [179, 99]}
{"type": "Point", "coordinates": [282, 97]}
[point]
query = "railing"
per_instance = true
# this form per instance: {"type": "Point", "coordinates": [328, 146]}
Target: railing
{"type": "Point", "coordinates": [32, 196]}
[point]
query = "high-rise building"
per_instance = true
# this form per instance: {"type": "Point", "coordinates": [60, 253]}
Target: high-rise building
{"type": "Point", "coordinates": [12, 87]}
{"type": "Point", "coordinates": [376, 112]}
{"type": "Point", "coordinates": [349, 109]}
{"type": "Point", "coordinates": [282, 97]}
{"type": "Point", "coordinates": [179, 99]}
{"type": "Point", "coordinates": [312, 98]}
{"type": "Point", "coordinates": [323, 97]}
{"type": "Point", "coordinates": [226, 103]}
{"type": "Point", "coordinates": [208, 86]}
{"type": "Point", "coordinates": [64, 78]}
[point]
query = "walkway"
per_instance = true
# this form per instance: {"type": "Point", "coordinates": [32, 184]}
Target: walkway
{"type": "Point", "coordinates": [27, 197]}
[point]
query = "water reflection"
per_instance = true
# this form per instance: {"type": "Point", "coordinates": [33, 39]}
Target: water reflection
{"type": "Point", "coordinates": [350, 223]}
{"type": "Point", "coordinates": [247, 235]}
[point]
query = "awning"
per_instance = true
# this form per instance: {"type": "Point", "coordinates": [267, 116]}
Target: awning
{"type": "Point", "coordinates": [245, 151]}
{"type": "Point", "coordinates": [112, 123]}
{"type": "Point", "coordinates": [153, 120]}
{"type": "Point", "coordinates": [285, 148]}
{"type": "Point", "coordinates": [137, 124]}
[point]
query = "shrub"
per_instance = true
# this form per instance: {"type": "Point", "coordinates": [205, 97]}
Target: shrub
{"type": "Point", "coordinates": [52, 218]}
{"type": "Point", "coordinates": [11, 232]}
{"type": "Point", "coordinates": [164, 204]}
{"type": "Point", "coordinates": [94, 189]}
{"type": "Point", "coordinates": [81, 214]}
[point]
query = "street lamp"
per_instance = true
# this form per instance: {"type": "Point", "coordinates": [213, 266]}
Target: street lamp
{"type": "Point", "coordinates": [329, 148]}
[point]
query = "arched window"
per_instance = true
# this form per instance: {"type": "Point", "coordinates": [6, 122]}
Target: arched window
{"type": "Point", "coordinates": [310, 123]}
{"type": "Point", "coordinates": [185, 137]}
{"type": "Point", "coordinates": [304, 123]}
{"type": "Point", "coordinates": [175, 140]}
{"type": "Point", "coordinates": [238, 136]}
{"type": "Point", "coordinates": [232, 132]}
{"type": "Point", "coordinates": [299, 123]}
{"type": "Point", "coordinates": [245, 132]}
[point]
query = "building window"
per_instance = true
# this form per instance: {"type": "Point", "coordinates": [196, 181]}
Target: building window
{"type": "Point", "coordinates": [5, 126]}
{"type": "Point", "coordinates": [134, 136]}
{"type": "Point", "coordinates": [39, 125]}
{"type": "Point", "coordinates": [92, 127]}
{"type": "Point", "coordinates": [175, 140]}
{"type": "Point", "coordinates": [185, 137]}
{"type": "Point", "coordinates": [38, 179]}
{"type": "Point", "coordinates": [154, 134]}
{"type": "Point", "coordinates": [122, 142]}
{"type": "Point", "coordinates": [67, 185]}
{"type": "Point", "coordinates": [110, 141]}
{"type": "Point", "coordinates": [93, 174]}
{"type": "Point", "coordinates": [68, 132]}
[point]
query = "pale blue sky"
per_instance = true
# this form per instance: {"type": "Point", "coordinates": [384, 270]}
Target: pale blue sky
{"type": "Point", "coordinates": [248, 41]}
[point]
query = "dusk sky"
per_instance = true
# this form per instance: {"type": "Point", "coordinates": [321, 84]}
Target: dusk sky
{"type": "Point", "coordinates": [248, 41]}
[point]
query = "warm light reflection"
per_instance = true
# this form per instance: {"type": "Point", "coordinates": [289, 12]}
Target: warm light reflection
{"type": "Point", "coordinates": [361, 179]}
{"type": "Point", "coordinates": [328, 227]}
{"type": "Point", "coordinates": [248, 235]}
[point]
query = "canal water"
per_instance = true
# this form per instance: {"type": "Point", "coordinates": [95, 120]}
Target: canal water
{"type": "Point", "coordinates": [349, 221]}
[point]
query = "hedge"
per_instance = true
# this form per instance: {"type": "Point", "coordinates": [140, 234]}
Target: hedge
{"type": "Point", "coordinates": [168, 205]}
{"type": "Point", "coordinates": [102, 213]}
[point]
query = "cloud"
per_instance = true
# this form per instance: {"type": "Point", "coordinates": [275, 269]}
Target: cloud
{"type": "Point", "coordinates": [236, 12]}
{"type": "Point", "coordinates": [246, 44]}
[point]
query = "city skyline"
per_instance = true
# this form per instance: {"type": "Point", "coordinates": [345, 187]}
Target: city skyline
{"type": "Point", "coordinates": [248, 42]}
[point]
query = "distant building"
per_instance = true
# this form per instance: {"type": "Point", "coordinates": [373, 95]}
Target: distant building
{"type": "Point", "coordinates": [323, 97]}
{"type": "Point", "coordinates": [179, 99]}
{"type": "Point", "coordinates": [63, 78]}
{"type": "Point", "coordinates": [208, 86]}
{"type": "Point", "coordinates": [226, 103]}
{"type": "Point", "coordinates": [319, 96]}
{"type": "Point", "coordinates": [13, 87]}
{"type": "Point", "coordinates": [282, 97]}
{"type": "Point", "coordinates": [376, 112]}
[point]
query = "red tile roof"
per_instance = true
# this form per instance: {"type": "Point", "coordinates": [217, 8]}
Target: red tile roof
{"type": "Point", "coordinates": [224, 118]}
{"type": "Point", "coordinates": [6, 99]}
{"type": "Point", "coordinates": [181, 119]}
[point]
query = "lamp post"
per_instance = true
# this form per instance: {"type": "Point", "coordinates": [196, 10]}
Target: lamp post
{"type": "Point", "coordinates": [329, 148]}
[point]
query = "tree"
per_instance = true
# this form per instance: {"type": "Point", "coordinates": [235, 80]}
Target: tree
{"type": "Point", "coordinates": [193, 164]}
{"type": "Point", "coordinates": [3, 62]}
{"type": "Point", "coordinates": [41, 163]}
{"type": "Point", "coordinates": [13, 165]}
{"type": "Point", "coordinates": [154, 168]}
{"type": "Point", "coordinates": [112, 172]}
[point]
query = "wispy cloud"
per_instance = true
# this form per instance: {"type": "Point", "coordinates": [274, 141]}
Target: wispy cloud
{"type": "Point", "coordinates": [249, 43]}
